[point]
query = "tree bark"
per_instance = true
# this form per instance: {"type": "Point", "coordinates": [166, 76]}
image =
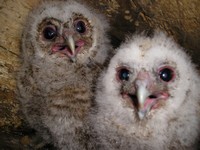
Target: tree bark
{"type": "Point", "coordinates": [178, 18]}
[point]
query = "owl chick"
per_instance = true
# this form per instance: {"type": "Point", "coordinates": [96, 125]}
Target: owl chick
{"type": "Point", "coordinates": [64, 47]}
{"type": "Point", "coordinates": [148, 98]}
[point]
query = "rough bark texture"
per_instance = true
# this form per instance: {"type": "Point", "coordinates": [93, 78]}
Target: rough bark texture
{"type": "Point", "coordinates": [179, 18]}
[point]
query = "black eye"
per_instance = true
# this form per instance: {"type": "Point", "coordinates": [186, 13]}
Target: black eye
{"type": "Point", "coordinates": [123, 74]}
{"type": "Point", "coordinates": [166, 74]}
{"type": "Point", "coordinates": [80, 27]}
{"type": "Point", "coordinates": [49, 33]}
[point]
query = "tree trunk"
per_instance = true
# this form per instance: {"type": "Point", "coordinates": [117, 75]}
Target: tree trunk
{"type": "Point", "coordinates": [178, 18]}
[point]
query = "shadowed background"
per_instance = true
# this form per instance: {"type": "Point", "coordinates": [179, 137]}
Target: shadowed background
{"type": "Point", "coordinates": [178, 18]}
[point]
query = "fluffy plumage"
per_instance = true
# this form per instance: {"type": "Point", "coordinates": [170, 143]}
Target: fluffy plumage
{"type": "Point", "coordinates": [148, 98]}
{"type": "Point", "coordinates": [64, 46]}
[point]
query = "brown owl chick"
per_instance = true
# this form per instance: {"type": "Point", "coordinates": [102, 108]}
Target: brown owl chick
{"type": "Point", "coordinates": [148, 98]}
{"type": "Point", "coordinates": [64, 47]}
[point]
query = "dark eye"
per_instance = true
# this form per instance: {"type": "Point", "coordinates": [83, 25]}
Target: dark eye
{"type": "Point", "coordinates": [49, 33]}
{"type": "Point", "coordinates": [80, 26]}
{"type": "Point", "coordinates": [166, 74]}
{"type": "Point", "coordinates": [123, 74]}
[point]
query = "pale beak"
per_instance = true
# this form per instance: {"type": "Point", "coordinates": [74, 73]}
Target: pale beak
{"type": "Point", "coordinates": [142, 95]}
{"type": "Point", "coordinates": [71, 44]}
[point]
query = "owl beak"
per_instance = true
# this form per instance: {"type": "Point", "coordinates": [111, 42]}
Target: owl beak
{"type": "Point", "coordinates": [147, 97]}
{"type": "Point", "coordinates": [71, 44]}
{"type": "Point", "coordinates": [142, 94]}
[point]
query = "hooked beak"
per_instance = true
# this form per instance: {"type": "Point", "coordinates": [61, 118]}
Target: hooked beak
{"type": "Point", "coordinates": [142, 94]}
{"type": "Point", "coordinates": [71, 44]}
{"type": "Point", "coordinates": [147, 99]}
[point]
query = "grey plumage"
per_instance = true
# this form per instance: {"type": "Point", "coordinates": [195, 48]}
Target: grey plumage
{"type": "Point", "coordinates": [148, 98]}
{"type": "Point", "coordinates": [64, 47]}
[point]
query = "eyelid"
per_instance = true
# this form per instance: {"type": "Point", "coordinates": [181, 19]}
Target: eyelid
{"type": "Point", "coordinates": [50, 26]}
{"type": "Point", "coordinates": [165, 66]}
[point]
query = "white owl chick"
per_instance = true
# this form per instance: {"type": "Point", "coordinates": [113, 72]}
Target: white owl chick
{"type": "Point", "coordinates": [64, 47]}
{"type": "Point", "coordinates": [148, 98]}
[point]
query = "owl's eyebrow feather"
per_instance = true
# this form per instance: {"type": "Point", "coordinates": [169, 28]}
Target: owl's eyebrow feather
{"type": "Point", "coordinates": [51, 21]}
